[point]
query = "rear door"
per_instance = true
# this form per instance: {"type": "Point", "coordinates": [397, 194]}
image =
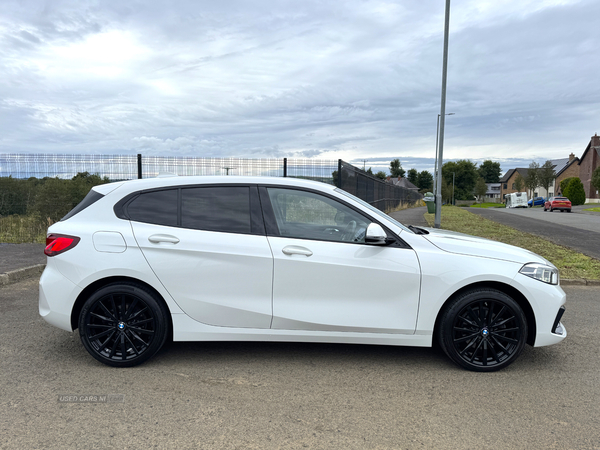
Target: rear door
{"type": "Point", "coordinates": [208, 247]}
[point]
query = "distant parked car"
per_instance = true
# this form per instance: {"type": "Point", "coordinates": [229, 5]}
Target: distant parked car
{"type": "Point", "coordinates": [537, 201]}
{"type": "Point", "coordinates": [562, 203]}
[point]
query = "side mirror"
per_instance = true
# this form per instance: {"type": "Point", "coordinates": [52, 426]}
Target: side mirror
{"type": "Point", "coordinates": [375, 235]}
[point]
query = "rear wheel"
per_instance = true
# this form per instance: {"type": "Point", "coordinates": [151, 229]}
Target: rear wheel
{"type": "Point", "coordinates": [483, 330]}
{"type": "Point", "coordinates": [123, 324]}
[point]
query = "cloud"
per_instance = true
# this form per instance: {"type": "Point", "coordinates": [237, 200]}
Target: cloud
{"type": "Point", "coordinates": [353, 80]}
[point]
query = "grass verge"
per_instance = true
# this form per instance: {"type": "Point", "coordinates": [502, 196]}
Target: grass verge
{"type": "Point", "coordinates": [22, 229]}
{"type": "Point", "coordinates": [571, 264]}
{"type": "Point", "coordinates": [592, 209]}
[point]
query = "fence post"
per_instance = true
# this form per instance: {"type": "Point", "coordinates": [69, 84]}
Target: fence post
{"type": "Point", "coordinates": [284, 167]}
{"type": "Point", "coordinates": [139, 164]}
{"type": "Point", "coordinates": [339, 177]}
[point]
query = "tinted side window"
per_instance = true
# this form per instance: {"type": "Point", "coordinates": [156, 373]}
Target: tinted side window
{"type": "Point", "coordinates": [158, 207]}
{"type": "Point", "coordinates": [222, 208]}
{"type": "Point", "coordinates": [305, 215]}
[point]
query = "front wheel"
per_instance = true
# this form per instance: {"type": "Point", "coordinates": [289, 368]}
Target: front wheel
{"type": "Point", "coordinates": [123, 324]}
{"type": "Point", "coordinates": [483, 330]}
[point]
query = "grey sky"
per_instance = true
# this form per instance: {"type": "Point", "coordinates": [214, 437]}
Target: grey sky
{"type": "Point", "coordinates": [345, 79]}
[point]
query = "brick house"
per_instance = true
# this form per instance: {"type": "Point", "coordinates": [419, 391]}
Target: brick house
{"type": "Point", "coordinates": [570, 169]}
{"type": "Point", "coordinates": [507, 182]}
{"type": "Point", "coordinates": [590, 160]}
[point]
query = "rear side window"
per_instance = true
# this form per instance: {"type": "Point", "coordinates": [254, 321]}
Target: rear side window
{"type": "Point", "coordinates": [91, 198]}
{"type": "Point", "coordinates": [157, 207]}
{"type": "Point", "coordinates": [219, 208]}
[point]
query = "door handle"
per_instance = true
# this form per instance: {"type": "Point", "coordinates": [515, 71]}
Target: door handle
{"type": "Point", "coordinates": [295, 250]}
{"type": "Point", "coordinates": [160, 238]}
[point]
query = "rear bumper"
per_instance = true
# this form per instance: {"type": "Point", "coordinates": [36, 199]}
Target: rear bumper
{"type": "Point", "coordinates": [56, 298]}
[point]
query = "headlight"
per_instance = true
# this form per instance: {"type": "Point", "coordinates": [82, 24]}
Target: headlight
{"type": "Point", "coordinates": [540, 272]}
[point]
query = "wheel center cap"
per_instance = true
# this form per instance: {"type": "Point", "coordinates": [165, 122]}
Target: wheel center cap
{"type": "Point", "coordinates": [121, 326]}
{"type": "Point", "coordinates": [485, 332]}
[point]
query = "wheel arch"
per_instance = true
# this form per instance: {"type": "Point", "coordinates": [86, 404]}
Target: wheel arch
{"type": "Point", "coordinates": [512, 292]}
{"type": "Point", "coordinates": [98, 284]}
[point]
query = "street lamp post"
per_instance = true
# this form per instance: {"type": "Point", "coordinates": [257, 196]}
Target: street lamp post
{"type": "Point", "coordinates": [437, 135]}
{"type": "Point", "coordinates": [437, 223]}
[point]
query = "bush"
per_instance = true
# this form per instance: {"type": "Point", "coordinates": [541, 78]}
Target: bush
{"type": "Point", "coordinates": [575, 192]}
{"type": "Point", "coordinates": [563, 185]}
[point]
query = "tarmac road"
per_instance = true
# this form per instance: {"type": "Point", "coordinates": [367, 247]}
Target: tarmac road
{"type": "Point", "coordinates": [576, 230]}
{"type": "Point", "coordinates": [268, 396]}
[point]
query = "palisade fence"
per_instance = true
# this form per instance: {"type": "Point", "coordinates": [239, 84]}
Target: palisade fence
{"type": "Point", "coordinates": [27, 221]}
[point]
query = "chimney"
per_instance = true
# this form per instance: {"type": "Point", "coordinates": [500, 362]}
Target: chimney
{"type": "Point", "coordinates": [571, 157]}
{"type": "Point", "coordinates": [595, 140]}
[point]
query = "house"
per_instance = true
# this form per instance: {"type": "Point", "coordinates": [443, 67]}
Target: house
{"type": "Point", "coordinates": [402, 182]}
{"type": "Point", "coordinates": [567, 170]}
{"type": "Point", "coordinates": [493, 192]}
{"type": "Point", "coordinates": [507, 182]}
{"type": "Point", "coordinates": [564, 168]}
{"type": "Point", "coordinates": [590, 161]}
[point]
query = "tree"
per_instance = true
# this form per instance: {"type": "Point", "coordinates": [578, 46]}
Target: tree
{"type": "Point", "coordinates": [446, 191]}
{"type": "Point", "coordinates": [596, 178]}
{"type": "Point", "coordinates": [531, 180]}
{"type": "Point", "coordinates": [424, 180]}
{"type": "Point", "coordinates": [381, 175]}
{"type": "Point", "coordinates": [490, 171]}
{"type": "Point", "coordinates": [480, 189]}
{"type": "Point", "coordinates": [563, 185]}
{"type": "Point", "coordinates": [412, 175]}
{"type": "Point", "coordinates": [519, 183]}
{"type": "Point", "coordinates": [396, 169]}
{"type": "Point", "coordinates": [465, 177]}
{"type": "Point", "coordinates": [575, 192]}
{"type": "Point", "coordinates": [369, 171]}
{"type": "Point", "coordinates": [546, 174]}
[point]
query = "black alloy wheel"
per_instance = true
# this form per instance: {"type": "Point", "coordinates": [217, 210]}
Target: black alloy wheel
{"type": "Point", "coordinates": [483, 330]}
{"type": "Point", "coordinates": [123, 324]}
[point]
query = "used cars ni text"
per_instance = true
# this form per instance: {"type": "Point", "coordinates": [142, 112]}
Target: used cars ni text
{"type": "Point", "coordinates": [281, 259]}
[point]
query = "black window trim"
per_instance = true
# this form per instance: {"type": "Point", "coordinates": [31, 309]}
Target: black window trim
{"type": "Point", "coordinates": [257, 225]}
{"type": "Point", "coordinates": [273, 230]}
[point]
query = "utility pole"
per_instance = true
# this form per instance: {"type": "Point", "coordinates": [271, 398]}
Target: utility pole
{"type": "Point", "coordinates": [438, 195]}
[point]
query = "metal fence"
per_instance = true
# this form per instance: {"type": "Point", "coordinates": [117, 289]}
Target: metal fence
{"type": "Point", "coordinates": [383, 195]}
{"type": "Point", "coordinates": [28, 222]}
{"type": "Point", "coordinates": [127, 167]}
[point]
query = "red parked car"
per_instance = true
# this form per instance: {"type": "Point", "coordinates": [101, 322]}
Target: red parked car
{"type": "Point", "coordinates": [562, 203]}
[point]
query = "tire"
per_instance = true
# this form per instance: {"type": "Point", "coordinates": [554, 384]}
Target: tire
{"type": "Point", "coordinates": [551, 209]}
{"type": "Point", "coordinates": [123, 324]}
{"type": "Point", "coordinates": [568, 210]}
{"type": "Point", "coordinates": [483, 330]}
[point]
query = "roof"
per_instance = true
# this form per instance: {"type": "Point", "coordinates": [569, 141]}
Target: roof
{"type": "Point", "coordinates": [403, 182]}
{"type": "Point", "coordinates": [493, 188]}
{"type": "Point", "coordinates": [566, 166]}
{"type": "Point", "coordinates": [589, 146]}
{"type": "Point", "coordinates": [522, 171]}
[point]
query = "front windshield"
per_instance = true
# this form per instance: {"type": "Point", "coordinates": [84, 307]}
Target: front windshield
{"type": "Point", "coordinates": [373, 209]}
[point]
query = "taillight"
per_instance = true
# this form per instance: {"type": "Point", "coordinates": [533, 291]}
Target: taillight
{"type": "Point", "coordinates": [59, 243]}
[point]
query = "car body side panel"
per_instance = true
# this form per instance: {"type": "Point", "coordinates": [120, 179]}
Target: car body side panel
{"type": "Point", "coordinates": [345, 287]}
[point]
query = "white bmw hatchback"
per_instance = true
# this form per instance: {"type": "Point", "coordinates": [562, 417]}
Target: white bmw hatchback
{"type": "Point", "coordinates": [281, 259]}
